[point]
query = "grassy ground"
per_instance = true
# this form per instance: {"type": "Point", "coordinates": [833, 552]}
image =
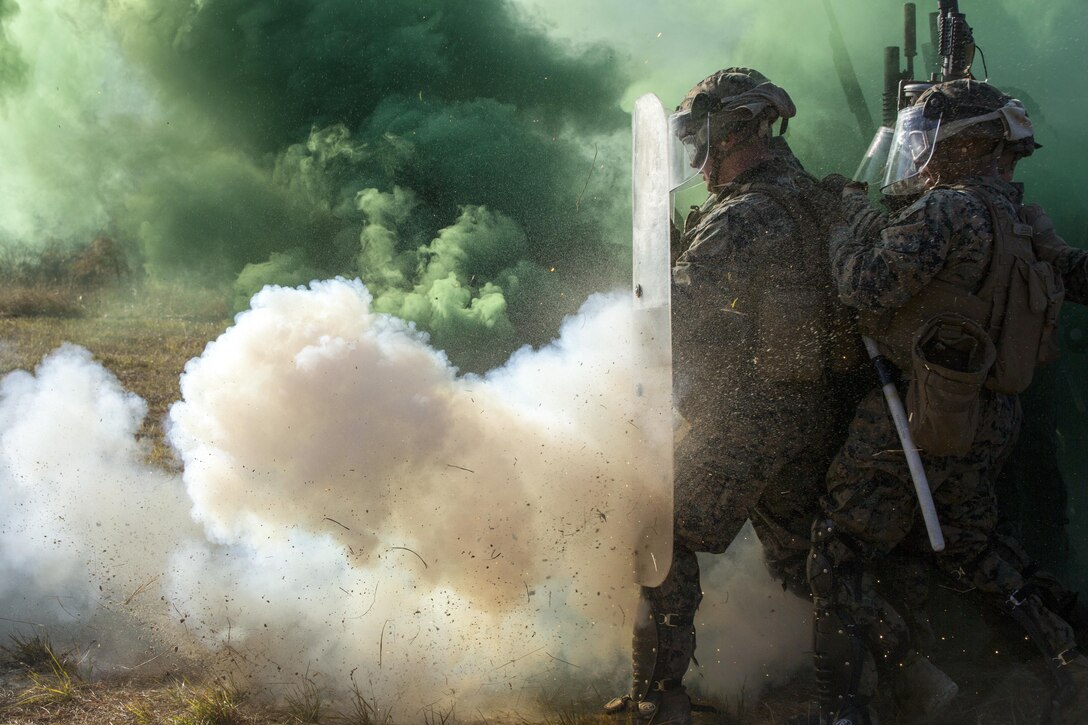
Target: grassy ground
{"type": "Point", "coordinates": [145, 342]}
{"type": "Point", "coordinates": [56, 695]}
{"type": "Point", "coordinates": [51, 693]}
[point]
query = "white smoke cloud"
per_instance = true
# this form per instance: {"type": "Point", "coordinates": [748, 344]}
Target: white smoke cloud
{"type": "Point", "coordinates": [350, 504]}
{"type": "Point", "coordinates": [83, 523]}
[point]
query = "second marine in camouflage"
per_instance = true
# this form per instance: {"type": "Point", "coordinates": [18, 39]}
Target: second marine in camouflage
{"type": "Point", "coordinates": [960, 290]}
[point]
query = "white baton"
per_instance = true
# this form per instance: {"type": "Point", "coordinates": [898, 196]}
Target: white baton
{"type": "Point", "coordinates": [914, 460]}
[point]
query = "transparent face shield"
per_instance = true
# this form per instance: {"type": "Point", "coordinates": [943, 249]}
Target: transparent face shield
{"type": "Point", "coordinates": [873, 166]}
{"type": "Point", "coordinates": [912, 147]}
{"type": "Point", "coordinates": [689, 148]}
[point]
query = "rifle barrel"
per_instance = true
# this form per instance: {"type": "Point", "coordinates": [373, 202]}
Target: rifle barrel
{"type": "Point", "coordinates": [892, 76]}
{"type": "Point", "coordinates": [910, 35]}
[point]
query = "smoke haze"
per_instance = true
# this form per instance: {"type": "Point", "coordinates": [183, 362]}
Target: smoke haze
{"type": "Point", "coordinates": [382, 477]}
{"type": "Point", "coordinates": [247, 141]}
{"type": "Point", "coordinates": [349, 502]}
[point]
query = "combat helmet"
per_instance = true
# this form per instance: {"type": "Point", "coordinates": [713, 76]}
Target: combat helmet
{"type": "Point", "coordinates": [963, 109]}
{"type": "Point", "coordinates": [730, 100]}
{"type": "Point", "coordinates": [975, 109]}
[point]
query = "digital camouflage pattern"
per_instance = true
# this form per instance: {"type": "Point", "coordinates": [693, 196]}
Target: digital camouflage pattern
{"type": "Point", "coordinates": [726, 83]}
{"type": "Point", "coordinates": [879, 264]}
{"type": "Point", "coordinates": [746, 95]}
{"type": "Point", "coordinates": [760, 442]}
{"type": "Point", "coordinates": [758, 353]}
{"type": "Point", "coordinates": [946, 235]}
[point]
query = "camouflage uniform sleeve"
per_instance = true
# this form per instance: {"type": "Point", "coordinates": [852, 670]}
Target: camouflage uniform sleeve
{"type": "Point", "coordinates": [864, 219]}
{"type": "Point", "coordinates": [1071, 263]}
{"type": "Point", "coordinates": [882, 268]}
{"type": "Point", "coordinates": [722, 253]}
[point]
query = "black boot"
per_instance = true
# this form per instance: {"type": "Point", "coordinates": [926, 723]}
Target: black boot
{"type": "Point", "coordinates": [842, 660]}
{"type": "Point", "coordinates": [1054, 638]}
{"type": "Point", "coordinates": [662, 648]}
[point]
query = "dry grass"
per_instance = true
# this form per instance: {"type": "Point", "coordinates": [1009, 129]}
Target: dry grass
{"type": "Point", "coordinates": [146, 349]}
{"type": "Point", "coordinates": [50, 675]}
{"type": "Point", "coordinates": [165, 701]}
{"type": "Point", "coordinates": [997, 696]}
{"type": "Point", "coordinates": [305, 703]}
{"type": "Point", "coordinates": [39, 684]}
{"type": "Point", "coordinates": [217, 703]}
{"type": "Point", "coordinates": [33, 300]}
{"type": "Point", "coordinates": [28, 652]}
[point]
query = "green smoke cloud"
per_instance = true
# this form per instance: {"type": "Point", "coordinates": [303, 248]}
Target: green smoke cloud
{"type": "Point", "coordinates": [276, 69]}
{"type": "Point", "coordinates": [210, 136]}
{"type": "Point", "coordinates": [446, 285]}
{"type": "Point", "coordinates": [12, 66]}
{"type": "Point", "coordinates": [462, 110]}
{"type": "Point", "coordinates": [238, 138]}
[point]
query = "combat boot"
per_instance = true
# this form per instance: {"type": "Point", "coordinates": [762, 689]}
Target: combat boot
{"type": "Point", "coordinates": [671, 707]}
{"type": "Point", "coordinates": [921, 690]}
{"type": "Point", "coordinates": [662, 649]}
{"type": "Point", "coordinates": [1069, 704]}
{"type": "Point", "coordinates": [845, 671]}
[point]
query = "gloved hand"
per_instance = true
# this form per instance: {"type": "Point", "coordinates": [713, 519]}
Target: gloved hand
{"type": "Point", "coordinates": [855, 204]}
{"type": "Point", "coordinates": [834, 183]}
{"type": "Point", "coordinates": [854, 188]}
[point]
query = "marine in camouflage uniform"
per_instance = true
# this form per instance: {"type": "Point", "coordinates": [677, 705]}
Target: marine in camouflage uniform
{"type": "Point", "coordinates": [755, 325]}
{"type": "Point", "coordinates": [881, 265]}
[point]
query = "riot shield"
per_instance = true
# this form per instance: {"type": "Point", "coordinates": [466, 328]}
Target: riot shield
{"type": "Point", "coordinates": [652, 516]}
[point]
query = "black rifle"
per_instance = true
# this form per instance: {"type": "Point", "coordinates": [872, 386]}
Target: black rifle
{"type": "Point", "coordinates": [957, 42]}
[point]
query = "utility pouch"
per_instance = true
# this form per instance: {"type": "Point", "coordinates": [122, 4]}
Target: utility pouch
{"type": "Point", "coordinates": [951, 358]}
{"type": "Point", "coordinates": [1027, 335]}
